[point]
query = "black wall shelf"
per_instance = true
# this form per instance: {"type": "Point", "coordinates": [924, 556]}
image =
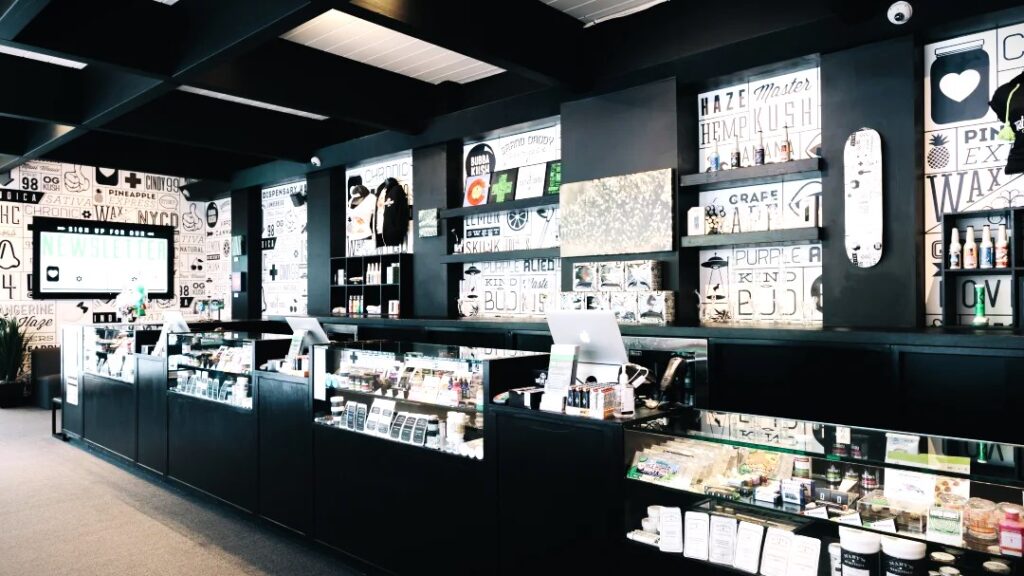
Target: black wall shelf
{"type": "Point", "coordinates": [547, 200]}
{"type": "Point", "coordinates": [510, 255]}
{"type": "Point", "coordinates": [775, 172]}
{"type": "Point", "coordinates": [373, 294]}
{"type": "Point", "coordinates": [952, 280]}
{"type": "Point", "coordinates": [810, 234]}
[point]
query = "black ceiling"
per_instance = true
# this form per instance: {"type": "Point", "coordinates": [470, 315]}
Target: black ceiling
{"type": "Point", "coordinates": [124, 109]}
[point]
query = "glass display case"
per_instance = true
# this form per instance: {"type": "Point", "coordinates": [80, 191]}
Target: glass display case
{"type": "Point", "coordinates": [108, 349]}
{"type": "Point", "coordinates": [951, 493]}
{"type": "Point", "coordinates": [217, 366]}
{"type": "Point", "coordinates": [424, 395]}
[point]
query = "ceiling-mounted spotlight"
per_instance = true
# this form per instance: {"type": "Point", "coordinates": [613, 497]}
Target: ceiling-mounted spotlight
{"type": "Point", "coordinates": [298, 199]}
{"type": "Point", "coordinates": [315, 161]}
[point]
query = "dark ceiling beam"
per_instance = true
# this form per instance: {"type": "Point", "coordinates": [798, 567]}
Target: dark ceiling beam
{"type": "Point", "coordinates": [550, 53]}
{"type": "Point", "coordinates": [39, 91]}
{"type": "Point", "coordinates": [201, 121]}
{"type": "Point", "coordinates": [97, 148]}
{"type": "Point", "coordinates": [295, 76]}
{"type": "Point", "coordinates": [138, 65]}
{"type": "Point", "coordinates": [17, 14]}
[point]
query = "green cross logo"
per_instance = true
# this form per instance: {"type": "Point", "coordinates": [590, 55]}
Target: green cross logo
{"type": "Point", "coordinates": [501, 189]}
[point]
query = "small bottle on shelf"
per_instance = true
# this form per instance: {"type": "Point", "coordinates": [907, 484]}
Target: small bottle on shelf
{"type": "Point", "coordinates": [715, 161]}
{"type": "Point", "coordinates": [970, 250]}
{"type": "Point", "coordinates": [735, 157]}
{"type": "Point", "coordinates": [955, 254]}
{"type": "Point", "coordinates": [786, 148]}
{"type": "Point", "coordinates": [1002, 248]}
{"type": "Point", "coordinates": [986, 253]}
{"type": "Point", "coordinates": [759, 151]}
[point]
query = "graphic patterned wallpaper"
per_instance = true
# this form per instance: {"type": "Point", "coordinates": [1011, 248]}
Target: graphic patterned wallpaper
{"type": "Point", "coordinates": [762, 284]}
{"type": "Point", "coordinates": [964, 160]}
{"type": "Point", "coordinates": [736, 114]}
{"type": "Point", "coordinates": [51, 189]}
{"type": "Point", "coordinates": [284, 251]}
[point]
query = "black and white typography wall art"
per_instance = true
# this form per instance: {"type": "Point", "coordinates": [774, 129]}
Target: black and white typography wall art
{"type": "Point", "coordinates": [964, 160]}
{"type": "Point", "coordinates": [738, 116]}
{"type": "Point", "coordinates": [284, 251]}
{"type": "Point", "coordinates": [510, 288]}
{"type": "Point", "coordinates": [56, 190]}
{"type": "Point", "coordinates": [773, 284]}
{"type": "Point", "coordinates": [367, 214]}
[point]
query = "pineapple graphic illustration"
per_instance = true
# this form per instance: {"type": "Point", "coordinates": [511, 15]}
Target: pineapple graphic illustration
{"type": "Point", "coordinates": [938, 156]}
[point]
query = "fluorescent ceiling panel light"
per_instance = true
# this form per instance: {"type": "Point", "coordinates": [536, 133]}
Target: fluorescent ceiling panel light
{"type": "Point", "coordinates": [249, 102]}
{"type": "Point", "coordinates": [356, 39]}
{"type": "Point", "coordinates": [592, 12]}
{"type": "Point", "coordinates": [40, 57]}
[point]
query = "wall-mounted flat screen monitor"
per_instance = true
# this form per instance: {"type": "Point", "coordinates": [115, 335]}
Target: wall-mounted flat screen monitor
{"type": "Point", "coordinates": [85, 259]}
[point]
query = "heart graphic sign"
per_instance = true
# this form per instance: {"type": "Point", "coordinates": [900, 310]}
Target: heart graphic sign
{"type": "Point", "coordinates": [958, 87]}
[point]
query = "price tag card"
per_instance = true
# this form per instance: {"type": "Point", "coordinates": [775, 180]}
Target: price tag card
{"type": "Point", "coordinates": [804, 554]}
{"type": "Point", "coordinates": [775, 557]}
{"type": "Point", "coordinates": [698, 525]}
{"type": "Point", "coordinates": [748, 547]}
{"type": "Point", "coordinates": [670, 528]}
{"type": "Point", "coordinates": [722, 546]}
{"type": "Point", "coordinates": [842, 435]}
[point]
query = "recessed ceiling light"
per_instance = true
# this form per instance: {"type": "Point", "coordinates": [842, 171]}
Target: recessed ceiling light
{"type": "Point", "coordinates": [40, 57]}
{"type": "Point", "coordinates": [249, 102]}
{"type": "Point", "coordinates": [168, 2]}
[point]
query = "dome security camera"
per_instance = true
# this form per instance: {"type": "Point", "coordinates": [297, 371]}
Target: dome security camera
{"type": "Point", "coordinates": [315, 161]}
{"type": "Point", "coordinates": [900, 13]}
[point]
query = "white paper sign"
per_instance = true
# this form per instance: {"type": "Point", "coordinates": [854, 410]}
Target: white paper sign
{"type": "Point", "coordinates": [748, 547]}
{"type": "Point", "coordinates": [320, 374]}
{"type": "Point", "coordinates": [697, 527]}
{"type": "Point", "coordinates": [804, 554]}
{"type": "Point", "coordinates": [842, 435]}
{"type": "Point", "coordinates": [775, 557]}
{"type": "Point", "coordinates": [913, 487]}
{"type": "Point", "coordinates": [819, 512]}
{"type": "Point", "coordinates": [670, 527]}
{"type": "Point", "coordinates": [71, 390]}
{"type": "Point", "coordinates": [722, 546]}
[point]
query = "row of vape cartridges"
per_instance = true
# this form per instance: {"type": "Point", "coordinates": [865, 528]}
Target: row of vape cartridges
{"type": "Point", "coordinates": [383, 420]}
{"type": "Point", "coordinates": [591, 401]}
{"type": "Point", "coordinates": [642, 307]}
{"type": "Point", "coordinates": [616, 276]}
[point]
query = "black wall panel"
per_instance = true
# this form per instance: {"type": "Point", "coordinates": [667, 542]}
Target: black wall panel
{"type": "Point", "coordinates": [247, 221]}
{"type": "Point", "coordinates": [876, 86]}
{"type": "Point", "coordinates": [435, 171]}
{"type": "Point", "coordinates": [623, 132]}
{"type": "Point", "coordinates": [325, 229]}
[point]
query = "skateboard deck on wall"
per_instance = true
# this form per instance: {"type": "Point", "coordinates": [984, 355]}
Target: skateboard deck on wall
{"type": "Point", "coordinates": [862, 172]}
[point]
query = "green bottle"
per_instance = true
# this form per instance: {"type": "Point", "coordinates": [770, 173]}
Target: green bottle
{"type": "Point", "coordinates": [979, 307]}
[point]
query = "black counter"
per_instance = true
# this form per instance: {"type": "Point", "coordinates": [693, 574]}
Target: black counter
{"type": "Point", "coordinates": [946, 337]}
{"type": "Point", "coordinates": [285, 416]}
{"type": "Point", "coordinates": [560, 479]}
{"type": "Point", "coordinates": [109, 414]}
{"type": "Point", "coordinates": [213, 447]}
{"type": "Point", "coordinates": [151, 388]}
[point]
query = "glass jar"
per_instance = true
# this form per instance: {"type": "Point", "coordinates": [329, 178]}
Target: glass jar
{"type": "Point", "coordinates": [980, 517]}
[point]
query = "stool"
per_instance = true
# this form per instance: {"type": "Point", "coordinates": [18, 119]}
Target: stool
{"type": "Point", "coordinates": [56, 404]}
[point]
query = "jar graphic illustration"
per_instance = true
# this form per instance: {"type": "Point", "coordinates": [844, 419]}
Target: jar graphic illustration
{"type": "Point", "coordinates": [960, 78]}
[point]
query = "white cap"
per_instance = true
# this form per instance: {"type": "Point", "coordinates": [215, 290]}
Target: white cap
{"type": "Point", "coordinates": [859, 541]}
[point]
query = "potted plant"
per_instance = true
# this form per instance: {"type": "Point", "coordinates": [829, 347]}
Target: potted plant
{"type": "Point", "coordinates": [14, 386]}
